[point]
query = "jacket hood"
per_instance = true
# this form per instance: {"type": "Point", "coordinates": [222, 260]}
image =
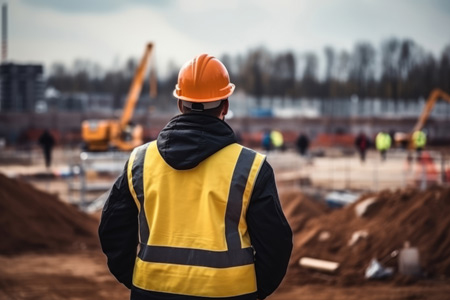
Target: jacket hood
{"type": "Point", "coordinates": [188, 139]}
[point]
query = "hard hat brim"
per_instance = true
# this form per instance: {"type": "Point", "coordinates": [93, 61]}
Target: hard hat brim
{"type": "Point", "coordinates": [228, 90]}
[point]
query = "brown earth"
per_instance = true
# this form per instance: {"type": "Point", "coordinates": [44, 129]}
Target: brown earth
{"type": "Point", "coordinates": [50, 250]}
{"type": "Point", "coordinates": [420, 217]}
{"type": "Point", "coordinates": [33, 221]}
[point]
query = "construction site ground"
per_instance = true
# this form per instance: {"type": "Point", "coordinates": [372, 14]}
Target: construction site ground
{"type": "Point", "coordinates": [52, 252]}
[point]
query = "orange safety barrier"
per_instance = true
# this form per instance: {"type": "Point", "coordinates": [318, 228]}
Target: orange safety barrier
{"type": "Point", "coordinates": [426, 164]}
{"type": "Point", "coordinates": [334, 140]}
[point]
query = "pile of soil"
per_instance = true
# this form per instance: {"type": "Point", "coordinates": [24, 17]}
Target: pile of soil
{"type": "Point", "coordinates": [299, 208]}
{"type": "Point", "coordinates": [420, 217]}
{"type": "Point", "coordinates": [32, 221]}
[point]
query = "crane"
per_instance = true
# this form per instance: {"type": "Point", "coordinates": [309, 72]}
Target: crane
{"type": "Point", "coordinates": [434, 96]}
{"type": "Point", "coordinates": [103, 135]}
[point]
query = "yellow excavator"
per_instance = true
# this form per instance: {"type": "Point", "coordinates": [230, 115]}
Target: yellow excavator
{"type": "Point", "coordinates": [434, 96]}
{"type": "Point", "coordinates": [122, 134]}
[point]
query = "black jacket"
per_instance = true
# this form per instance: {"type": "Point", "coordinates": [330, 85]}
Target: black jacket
{"type": "Point", "coordinates": [186, 141]}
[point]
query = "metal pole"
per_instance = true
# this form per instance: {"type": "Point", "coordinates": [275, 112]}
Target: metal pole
{"type": "Point", "coordinates": [423, 183]}
{"type": "Point", "coordinates": [375, 174]}
{"type": "Point", "coordinates": [4, 33]}
{"type": "Point", "coordinates": [83, 185]}
{"type": "Point", "coordinates": [332, 172]}
{"type": "Point", "coordinates": [442, 177]}
{"type": "Point", "coordinates": [347, 173]}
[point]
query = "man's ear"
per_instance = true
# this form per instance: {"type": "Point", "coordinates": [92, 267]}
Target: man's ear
{"type": "Point", "coordinates": [180, 105]}
{"type": "Point", "coordinates": [224, 112]}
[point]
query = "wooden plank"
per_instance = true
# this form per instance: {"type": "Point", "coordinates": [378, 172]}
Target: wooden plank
{"type": "Point", "coordinates": [319, 264]}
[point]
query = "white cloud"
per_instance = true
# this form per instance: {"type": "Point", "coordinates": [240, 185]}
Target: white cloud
{"type": "Point", "coordinates": [205, 6]}
{"type": "Point", "coordinates": [185, 28]}
{"type": "Point", "coordinates": [53, 36]}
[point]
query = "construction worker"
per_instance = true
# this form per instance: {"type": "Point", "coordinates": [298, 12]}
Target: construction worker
{"type": "Point", "coordinates": [277, 139]}
{"type": "Point", "coordinates": [203, 209]}
{"type": "Point", "coordinates": [267, 141]}
{"type": "Point", "coordinates": [302, 144]}
{"type": "Point", "coordinates": [419, 139]}
{"type": "Point", "coordinates": [362, 143]}
{"type": "Point", "coordinates": [383, 143]}
{"type": "Point", "coordinates": [47, 142]}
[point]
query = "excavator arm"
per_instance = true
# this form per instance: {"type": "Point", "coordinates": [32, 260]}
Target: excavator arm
{"type": "Point", "coordinates": [135, 89]}
{"type": "Point", "coordinates": [435, 95]}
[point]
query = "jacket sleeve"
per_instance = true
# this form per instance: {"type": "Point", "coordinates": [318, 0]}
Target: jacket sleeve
{"type": "Point", "coordinates": [270, 233]}
{"type": "Point", "coordinates": [118, 230]}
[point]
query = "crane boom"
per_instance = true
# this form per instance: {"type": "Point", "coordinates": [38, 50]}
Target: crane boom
{"type": "Point", "coordinates": [435, 95]}
{"type": "Point", "coordinates": [136, 86]}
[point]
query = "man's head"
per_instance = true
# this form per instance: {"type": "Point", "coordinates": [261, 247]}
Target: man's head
{"type": "Point", "coordinates": [204, 86]}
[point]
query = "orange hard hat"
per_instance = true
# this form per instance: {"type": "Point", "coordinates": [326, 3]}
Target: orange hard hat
{"type": "Point", "coordinates": [203, 79]}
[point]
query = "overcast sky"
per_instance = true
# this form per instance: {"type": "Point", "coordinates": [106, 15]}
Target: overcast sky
{"type": "Point", "coordinates": [110, 31]}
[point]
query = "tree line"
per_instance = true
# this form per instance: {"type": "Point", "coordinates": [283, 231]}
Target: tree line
{"type": "Point", "coordinates": [397, 69]}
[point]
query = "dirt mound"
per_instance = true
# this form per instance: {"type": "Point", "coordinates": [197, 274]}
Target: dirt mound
{"type": "Point", "coordinates": [299, 208]}
{"type": "Point", "coordinates": [420, 217]}
{"type": "Point", "coordinates": [35, 221]}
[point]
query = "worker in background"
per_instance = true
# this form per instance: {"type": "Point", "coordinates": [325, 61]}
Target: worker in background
{"type": "Point", "coordinates": [277, 140]}
{"type": "Point", "coordinates": [203, 209]}
{"type": "Point", "coordinates": [362, 143]}
{"type": "Point", "coordinates": [267, 141]}
{"type": "Point", "coordinates": [302, 144]}
{"type": "Point", "coordinates": [383, 143]}
{"type": "Point", "coordinates": [47, 142]}
{"type": "Point", "coordinates": [419, 139]}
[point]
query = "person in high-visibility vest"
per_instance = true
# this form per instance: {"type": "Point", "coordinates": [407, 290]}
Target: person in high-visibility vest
{"type": "Point", "coordinates": [277, 139]}
{"type": "Point", "coordinates": [202, 209]}
{"type": "Point", "coordinates": [419, 139]}
{"type": "Point", "coordinates": [383, 143]}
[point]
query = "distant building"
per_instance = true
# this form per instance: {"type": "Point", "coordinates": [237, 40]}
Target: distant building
{"type": "Point", "coordinates": [21, 87]}
{"type": "Point", "coordinates": [75, 102]}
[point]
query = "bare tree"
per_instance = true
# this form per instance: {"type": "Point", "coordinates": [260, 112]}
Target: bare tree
{"type": "Point", "coordinates": [389, 68]}
{"type": "Point", "coordinates": [283, 75]}
{"type": "Point", "coordinates": [256, 73]}
{"type": "Point", "coordinates": [342, 74]}
{"type": "Point", "coordinates": [330, 82]}
{"type": "Point", "coordinates": [309, 83]}
{"type": "Point", "coordinates": [404, 70]}
{"type": "Point", "coordinates": [444, 70]}
{"type": "Point", "coordinates": [362, 68]}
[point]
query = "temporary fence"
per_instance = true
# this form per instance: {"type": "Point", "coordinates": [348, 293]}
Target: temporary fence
{"type": "Point", "coordinates": [94, 177]}
{"type": "Point", "coordinates": [337, 171]}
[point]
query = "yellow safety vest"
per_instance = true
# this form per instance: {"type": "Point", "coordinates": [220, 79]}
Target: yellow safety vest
{"type": "Point", "coordinates": [383, 141]}
{"type": "Point", "coordinates": [192, 223]}
{"type": "Point", "coordinates": [419, 138]}
{"type": "Point", "coordinates": [277, 138]}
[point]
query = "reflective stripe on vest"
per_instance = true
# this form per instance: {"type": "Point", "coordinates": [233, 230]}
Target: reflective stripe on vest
{"type": "Point", "coordinates": [193, 234]}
